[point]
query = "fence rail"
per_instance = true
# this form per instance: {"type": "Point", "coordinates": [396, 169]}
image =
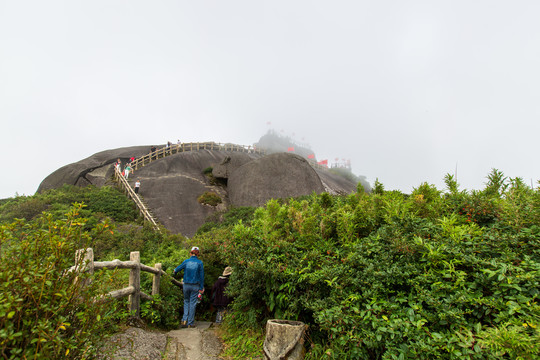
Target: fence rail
{"type": "Point", "coordinates": [135, 197]}
{"type": "Point", "coordinates": [183, 147]}
{"type": "Point", "coordinates": [133, 290]}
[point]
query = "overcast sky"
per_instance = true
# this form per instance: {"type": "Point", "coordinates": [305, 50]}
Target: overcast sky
{"type": "Point", "coordinates": [407, 90]}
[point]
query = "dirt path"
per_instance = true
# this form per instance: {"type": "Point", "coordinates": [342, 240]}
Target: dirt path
{"type": "Point", "coordinates": [199, 343]}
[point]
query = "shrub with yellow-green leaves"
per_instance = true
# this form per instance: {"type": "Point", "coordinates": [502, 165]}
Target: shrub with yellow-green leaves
{"type": "Point", "coordinates": [45, 311]}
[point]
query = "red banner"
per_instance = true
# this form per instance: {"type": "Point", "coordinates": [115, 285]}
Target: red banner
{"type": "Point", "coordinates": [323, 162]}
{"type": "Point", "coordinates": [290, 149]}
{"type": "Point", "coordinates": [311, 156]}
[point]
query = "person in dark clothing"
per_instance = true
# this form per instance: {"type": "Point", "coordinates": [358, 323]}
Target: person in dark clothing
{"type": "Point", "coordinates": [219, 299]}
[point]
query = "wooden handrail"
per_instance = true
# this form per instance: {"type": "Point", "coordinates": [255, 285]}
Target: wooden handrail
{"type": "Point", "coordinates": [135, 197]}
{"type": "Point", "coordinates": [183, 147]}
{"type": "Point", "coordinates": [84, 260]}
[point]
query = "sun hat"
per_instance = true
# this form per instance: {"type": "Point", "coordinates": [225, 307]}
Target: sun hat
{"type": "Point", "coordinates": [227, 271]}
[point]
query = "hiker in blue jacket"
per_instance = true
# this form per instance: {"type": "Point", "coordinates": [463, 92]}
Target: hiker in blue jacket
{"type": "Point", "coordinates": [193, 285]}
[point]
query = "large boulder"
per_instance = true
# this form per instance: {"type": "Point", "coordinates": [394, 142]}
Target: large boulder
{"type": "Point", "coordinates": [230, 163]}
{"type": "Point", "coordinates": [171, 186]}
{"type": "Point", "coordinates": [271, 177]}
{"type": "Point", "coordinates": [94, 170]}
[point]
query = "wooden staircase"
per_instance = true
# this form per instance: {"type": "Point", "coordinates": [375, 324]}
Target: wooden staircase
{"type": "Point", "coordinates": [167, 151]}
{"type": "Point", "coordinates": [141, 205]}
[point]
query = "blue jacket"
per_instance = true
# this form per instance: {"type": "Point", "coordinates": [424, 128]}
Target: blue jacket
{"type": "Point", "coordinates": [193, 271]}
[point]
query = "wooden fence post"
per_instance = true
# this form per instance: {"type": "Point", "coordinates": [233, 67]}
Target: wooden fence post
{"type": "Point", "coordinates": [135, 281]}
{"type": "Point", "coordinates": [157, 279]}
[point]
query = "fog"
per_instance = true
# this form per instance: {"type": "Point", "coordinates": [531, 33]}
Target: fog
{"type": "Point", "coordinates": [406, 90]}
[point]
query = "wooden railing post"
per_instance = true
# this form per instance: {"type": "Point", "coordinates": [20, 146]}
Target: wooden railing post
{"type": "Point", "coordinates": [156, 281]}
{"type": "Point", "coordinates": [135, 282]}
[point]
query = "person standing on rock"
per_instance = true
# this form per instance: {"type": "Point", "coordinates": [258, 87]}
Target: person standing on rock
{"type": "Point", "coordinates": [137, 186]}
{"type": "Point", "coordinates": [219, 299]}
{"type": "Point", "coordinates": [118, 165]}
{"type": "Point", "coordinates": [193, 285]}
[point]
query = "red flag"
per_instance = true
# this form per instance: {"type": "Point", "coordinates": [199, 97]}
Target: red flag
{"type": "Point", "coordinates": [290, 148]}
{"type": "Point", "coordinates": [311, 156]}
{"type": "Point", "coordinates": [323, 162]}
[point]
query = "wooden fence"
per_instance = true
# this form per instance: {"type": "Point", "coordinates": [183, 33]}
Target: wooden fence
{"type": "Point", "coordinates": [183, 147]}
{"type": "Point", "coordinates": [85, 257]}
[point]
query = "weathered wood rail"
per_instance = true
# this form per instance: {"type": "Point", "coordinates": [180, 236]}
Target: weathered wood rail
{"type": "Point", "coordinates": [183, 147]}
{"type": "Point", "coordinates": [145, 213]}
{"type": "Point", "coordinates": [85, 257]}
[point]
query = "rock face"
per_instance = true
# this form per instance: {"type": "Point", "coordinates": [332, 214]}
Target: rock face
{"type": "Point", "coordinates": [94, 170]}
{"type": "Point", "coordinates": [171, 185]}
{"type": "Point", "coordinates": [271, 177]}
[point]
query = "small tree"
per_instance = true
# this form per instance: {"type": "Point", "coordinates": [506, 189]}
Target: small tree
{"type": "Point", "coordinates": [451, 184]}
{"type": "Point", "coordinates": [45, 312]}
{"type": "Point", "coordinates": [496, 184]}
{"type": "Point", "coordinates": [378, 187]}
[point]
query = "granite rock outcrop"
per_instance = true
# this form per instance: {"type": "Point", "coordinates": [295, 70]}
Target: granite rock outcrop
{"type": "Point", "coordinates": [171, 185]}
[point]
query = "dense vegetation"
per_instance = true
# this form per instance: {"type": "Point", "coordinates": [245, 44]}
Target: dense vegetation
{"type": "Point", "coordinates": [394, 276]}
{"type": "Point", "coordinates": [44, 312]}
{"type": "Point", "coordinates": [432, 274]}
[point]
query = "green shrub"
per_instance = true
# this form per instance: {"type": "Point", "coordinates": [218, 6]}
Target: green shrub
{"type": "Point", "coordinates": [228, 218]}
{"type": "Point", "coordinates": [107, 201]}
{"type": "Point", "coordinates": [22, 208]}
{"type": "Point", "coordinates": [45, 312]}
{"type": "Point", "coordinates": [208, 171]}
{"type": "Point", "coordinates": [389, 276]}
{"type": "Point", "coordinates": [209, 198]}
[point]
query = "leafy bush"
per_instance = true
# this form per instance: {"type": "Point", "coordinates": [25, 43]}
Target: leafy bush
{"type": "Point", "coordinates": [107, 201]}
{"type": "Point", "coordinates": [227, 218]}
{"type": "Point", "coordinates": [391, 276]}
{"type": "Point", "coordinates": [209, 198]}
{"type": "Point", "coordinates": [45, 312]}
{"type": "Point", "coordinates": [22, 208]}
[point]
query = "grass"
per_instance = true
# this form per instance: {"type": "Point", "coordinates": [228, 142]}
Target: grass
{"type": "Point", "coordinates": [240, 344]}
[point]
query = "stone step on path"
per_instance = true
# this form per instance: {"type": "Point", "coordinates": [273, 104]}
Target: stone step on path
{"type": "Point", "coordinates": [199, 343]}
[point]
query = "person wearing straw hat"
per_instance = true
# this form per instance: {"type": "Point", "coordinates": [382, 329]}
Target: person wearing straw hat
{"type": "Point", "coordinates": [219, 299]}
{"type": "Point", "coordinates": [193, 285]}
